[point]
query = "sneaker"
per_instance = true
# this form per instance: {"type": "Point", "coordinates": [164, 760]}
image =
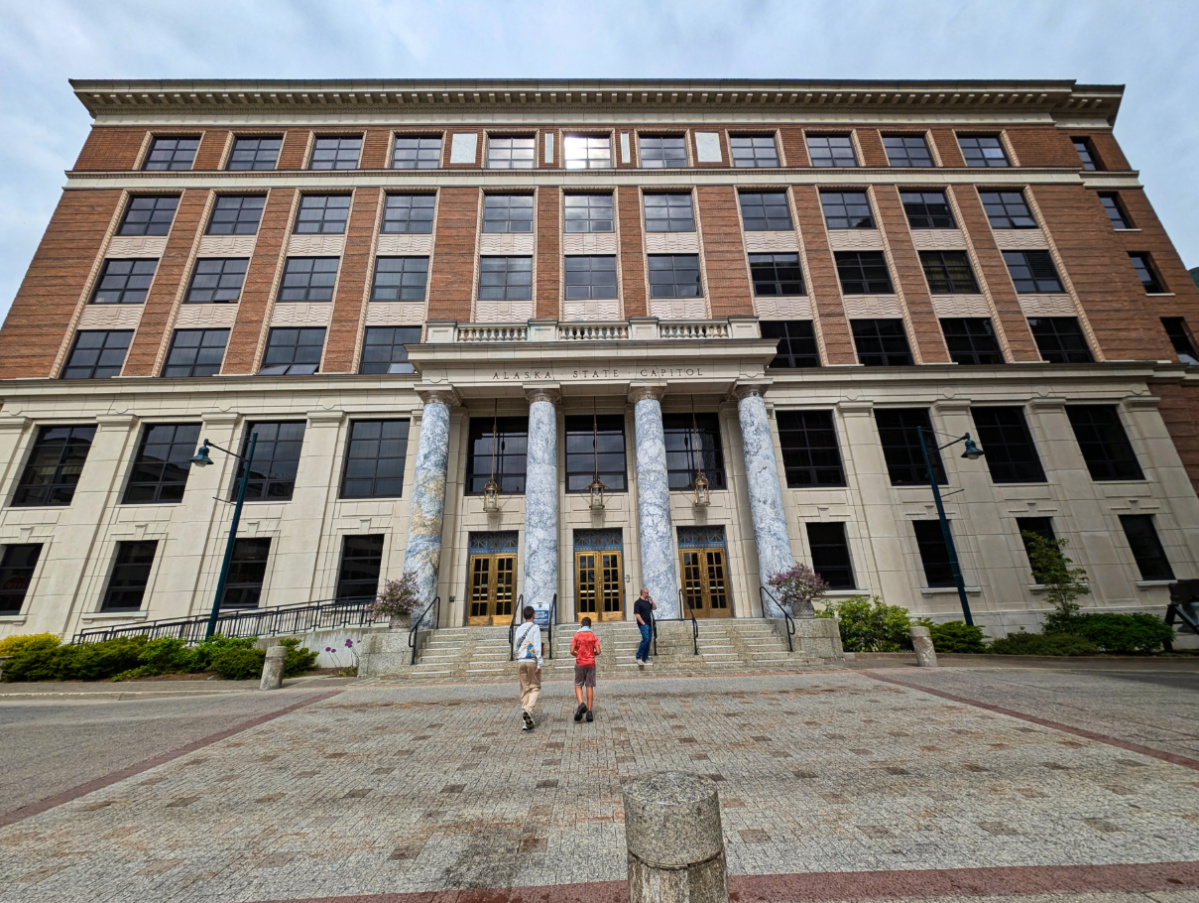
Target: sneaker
{"type": "Point", "coordinates": [529, 723]}
{"type": "Point", "coordinates": [580, 711]}
{"type": "Point", "coordinates": [590, 717]}
{"type": "Point", "coordinates": [640, 663]}
{"type": "Point", "coordinates": [648, 662]}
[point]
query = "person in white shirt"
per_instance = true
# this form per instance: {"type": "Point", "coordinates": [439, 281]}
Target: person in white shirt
{"type": "Point", "coordinates": [526, 646]}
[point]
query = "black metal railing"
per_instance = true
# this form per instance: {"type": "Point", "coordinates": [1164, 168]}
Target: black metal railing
{"type": "Point", "coordinates": [765, 593]}
{"type": "Point", "coordinates": [246, 622]}
{"type": "Point", "coordinates": [685, 609]}
{"type": "Point", "coordinates": [520, 606]}
{"type": "Point", "coordinates": [553, 617]}
{"type": "Point", "coordinates": [413, 631]}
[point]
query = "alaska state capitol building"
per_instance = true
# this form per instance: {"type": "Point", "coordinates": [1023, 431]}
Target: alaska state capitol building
{"type": "Point", "coordinates": [456, 313]}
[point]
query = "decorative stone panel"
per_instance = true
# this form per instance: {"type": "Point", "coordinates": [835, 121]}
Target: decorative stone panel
{"type": "Point", "coordinates": [771, 242]}
{"type": "Point", "coordinates": [315, 245]}
{"type": "Point", "coordinates": [136, 246]}
{"type": "Point", "coordinates": [395, 313]}
{"type": "Point", "coordinates": [872, 306]}
{"type": "Point", "coordinates": [206, 316]}
{"type": "Point", "coordinates": [503, 311]}
{"type": "Point", "coordinates": [1021, 240]}
{"type": "Point", "coordinates": [111, 316]}
{"type": "Point", "coordinates": [681, 309]}
{"type": "Point", "coordinates": [591, 310]}
{"type": "Point", "coordinates": [462, 147]}
{"type": "Point", "coordinates": [672, 242]}
{"type": "Point", "coordinates": [1048, 306]}
{"type": "Point", "coordinates": [589, 243]}
{"type": "Point", "coordinates": [506, 243]}
{"type": "Point", "coordinates": [227, 245]}
{"type": "Point", "coordinates": [938, 240]}
{"type": "Point", "coordinates": [783, 308]}
{"type": "Point", "coordinates": [391, 244]}
{"type": "Point", "coordinates": [707, 147]}
{"type": "Point", "coordinates": [961, 306]}
{"type": "Point", "coordinates": [855, 240]}
{"type": "Point", "coordinates": [302, 313]}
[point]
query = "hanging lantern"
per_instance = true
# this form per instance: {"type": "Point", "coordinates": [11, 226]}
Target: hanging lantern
{"type": "Point", "coordinates": [702, 498]}
{"type": "Point", "coordinates": [597, 487]}
{"type": "Point", "coordinates": [491, 492]}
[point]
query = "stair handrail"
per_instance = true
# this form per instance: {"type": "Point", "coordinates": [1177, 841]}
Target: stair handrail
{"type": "Point", "coordinates": [520, 605]}
{"type": "Point", "coordinates": [763, 593]}
{"type": "Point", "coordinates": [434, 606]}
{"type": "Point", "coordinates": [685, 607]}
{"type": "Point", "coordinates": [553, 617]}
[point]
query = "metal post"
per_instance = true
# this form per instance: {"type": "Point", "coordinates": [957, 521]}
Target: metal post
{"type": "Point", "coordinates": [241, 498]}
{"type": "Point", "coordinates": [949, 546]}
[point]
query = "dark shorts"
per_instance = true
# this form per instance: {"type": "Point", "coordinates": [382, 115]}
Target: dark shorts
{"type": "Point", "coordinates": [584, 675]}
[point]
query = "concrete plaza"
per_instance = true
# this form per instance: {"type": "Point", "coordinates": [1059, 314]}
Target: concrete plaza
{"type": "Point", "coordinates": [883, 784]}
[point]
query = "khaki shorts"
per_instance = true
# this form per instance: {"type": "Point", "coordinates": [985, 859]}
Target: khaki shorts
{"type": "Point", "coordinates": [585, 675]}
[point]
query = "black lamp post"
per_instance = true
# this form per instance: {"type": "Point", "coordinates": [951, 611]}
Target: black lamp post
{"type": "Point", "coordinates": [201, 459]}
{"type": "Point", "coordinates": [972, 453]}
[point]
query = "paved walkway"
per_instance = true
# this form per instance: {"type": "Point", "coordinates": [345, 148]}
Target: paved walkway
{"type": "Point", "coordinates": [834, 785]}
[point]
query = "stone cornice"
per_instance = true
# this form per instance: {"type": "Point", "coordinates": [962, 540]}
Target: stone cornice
{"type": "Point", "coordinates": [1065, 99]}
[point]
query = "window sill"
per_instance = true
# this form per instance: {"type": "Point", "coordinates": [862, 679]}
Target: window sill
{"type": "Point", "coordinates": [114, 616]}
{"type": "Point", "coordinates": [1153, 584]}
{"type": "Point", "coordinates": [1159, 294]}
{"type": "Point", "coordinates": [1127, 230]}
{"type": "Point", "coordinates": [948, 590]}
{"type": "Point", "coordinates": [12, 619]}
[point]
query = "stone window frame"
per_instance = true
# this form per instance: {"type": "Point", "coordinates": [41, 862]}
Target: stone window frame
{"type": "Point", "coordinates": [73, 450]}
{"type": "Point", "coordinates": [388, 195]}
{"type": "Point", "coordinates": [342, 580]}
{"type": "Point", "coordinates": [488, 196]}
{"type": "Point", "coordinates": [608, 193]}
{"type": "Point", "coordinates": [834, 584]}
{"type": "Point", "coordinates": [1010, 160]}
{"type": "Point", "coordinates": [742, 192]}
{"type": "Point", "coordinates": [145, 228]}
{"type": "Point", "coordinates": [316, 137]}
{"type": "Point", "coordinates": [508, 286]}
{"type": "Point", "coordinates": [478, 463]}
{"type": "Point", "coordinates": [949, 273]}
{"type": "Point", "coordinates": [108, 334]}
{"type": "Point", "coordinates": [242, 563]}
{"type": "Point", "coordinates": [1104, 444]}
{"type": "Point", "coordinates": [308, 287]}
{"type": "Point", "coordinates": [1088, 157]}
{"type": "Point", "coordinates": [583, 462]}
{"type": "Point", "coordinates": [241, 196]}
{"type": "Point", "coordinates": [766, 326]}
{"type": "Point", "coordinates": [227, 163]}
{"type": "Point", "coordinates": [923, 205]}
{"type": "Point", "coordinates": [292, 367]}
{"type": "Point", "coordinates": [180, 446]}
{"type": "Point", "coordinates": [902, 454]}
{"type": "Point", "coordinates": [1009, 215]}
{"type": "Point", "coordinates": [1053, 333]}
{"type": "Point", "coordinates": [969, 351]}
{"type": "Point", "coordinates": [264, 476]}
{"type": "Point", "coordinates": [730, 134]}
{"type": "Point", "coordinates": [151, 144]}
{"type": "Point", "coordinates": [352, 456]}
{"type": "Point", "coordinates": [1116, 212]}
{"type": "Point", "coordinates": [224, 282]}
{"type": "Point", "coordinates": [856, 261]}
{"type": "Point", "coordinates": [929, 146]}
{"type": "Point", "coordinates": [677, 431]}
{"type": "Point", "coordinates": [396, 135]}
{"type": "Point", "coordinates": [591, 285]}
{"type": "Point", "coordinates": [841, 208]}
{"type": "Point", "coordinates": [811, 424]}
{"type": "Point", "coordinates": [851, 134]}
{"type": "Point", "coordinates": [394, 360]}
{"type": "Point", "coordinates": [1012, 457]}
{"type": "Point", "coordinates": [660, 134]}
{"type": "Point", "coordinates": [699, 266]}
{"type": "Point", "coordinates": [129, 570]}
{"type": "Point", "coordinates": [607, 134]}
{"type": "Point", "coordinates": [308, 203]}
{"type": "Point", "coordinates": [1148, 273]}
{"type": "Point", "coordinates": [120, 282]}
{"type": "Point", "coordinates": [1147, 551]}
{"type": "Point", "coordinates": [866, 330]}
{"type": "Point", "coordinates": [193, 365]}
{"type": "Point", "coordinates": [776, 280]}
{"type": "Point", "coordinates": [511, 135]}
{"type": "Point", "coordinates": [409, 268]}
{"type": "Point", "coordinates": [930, 540]}
{"type": "Point", "coordinates": [669, 206]}
{"type": "Point", "coordinates": [12, 570]}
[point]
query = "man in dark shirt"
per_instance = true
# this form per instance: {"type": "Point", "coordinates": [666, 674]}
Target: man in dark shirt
{"type": "Point", "coordinates": [643, 611]}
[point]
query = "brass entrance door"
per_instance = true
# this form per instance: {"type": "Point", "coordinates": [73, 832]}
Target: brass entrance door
{"type": "Point", "coordinates": [705, 582]}
{"type": "Point", "coordinates": [492, 591]}
{"type": "Point", "coordinates": [599, 584]}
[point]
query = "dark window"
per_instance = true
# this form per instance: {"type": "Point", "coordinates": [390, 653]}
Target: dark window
{"type": "Point", "coordinates": [590, 278]}
{"type": "Point", "coordinates": [97, 354]}
{"type": "Point", "coordinates": [811, 454]}
{"type": "Point", "coordinates": [151, 215]}
{"type": "Point", "coordinates": [417, 152]}
{"type": "Point", "coordinates": [1060, 340]}
{"type": "Point", "coordinates": [589, 213]}
{"type": "Point", "coordinates": [504, 448]}
{"type": "Point", "coordinates": [776, 274]}
{"type": "Point", "coordinates": [1041, 526]}
{"type": "Point", "coordinates": [663, 151]}
{"type": "Point", "coordinates": [292, 352]}
{"type": "Point", "coordinates": [254, 153]}
{"type": "Point", "coordinates": [1009, 450]}
{"type": "Point", "coordinates": [797, 342]}
{"type": "Point", "coordinates": [217, 280]}
{"type": "Point", "coordinates": [863, 273]}
{"type": "Point", "coordinates": [948, 273]}
{"type": "Point", "coordinates": [195, 352]}
{"type": "Point", "coordinates": [1115, 211]}
{"type": "Point", "coordinates": [669, 213]}
{"type": "Point", "coordinates": [674, 276]}
{"type": "Point", "coordinates": [361, 562]}
{"type": "Point", "coordinates": [765, 211]}
{"type": "Point", "coordinates": [934, 553]}
{"type": "Point", "coordinates": [1180, 338]}
{"type": "Point", "coordinates": [1146, 272]}
{"type": "Point", "coordinates": [162, 463]}
{"type": "Point", "coordinates": [595, 446]}
{"type": "Point", "coordinates": [384, 351]}
{"type": "Point", "coordinates": [1086, 154]}
{"type": "Point", "coordinates": [1103, 442]}
{"type": "Point", "coordinates": [323, 214]}
{"type": "Point", "coordinates": [907, 150]}
{"type": "Point", "coordinates": [309, 279]}
{"type": "Point", "coordinates": [846, 210]}
{"type": "Point", "coordinates": [587, 151]}
{"type": "Point", "coordinates": [171, 153]}
{"type": "Point", "coordinates": [982, 150]}
{"type": "Point", "coordinates": [511, 152]}
{"type": "Point", "coordinates": [130, 576]}
{"type": "Point", "coordinates": [508, 213]}
{"type": "Point", "coordinates": [881, 343]}
{"type": "Point", "coordinates": [1007, 210]}
{"type": "Point", "coordinates": [927, 210]}
{"type": "Point", "coordinates": [689, 442]}
{"type": "Point", "coordinates": [375, 459]}
{"type": "Point", "coordinates": [1146, 547]}
{"type": "Point", "coordinates": [16, 573]}
{"type": "Point", "coordinates": [336, 153]}
{"type": "Point", "coordinates": [247, 570]}
{"type": "Point", "coordinates": [971, 340]}
{"type": "Point", "coordinates": [898, 430]}
{"type": "Point", "coordinates": [55, 463]}
{"type": "Point", "coordinates": [505, 278]}
{"type": "Point", "coordinates": [276, 458]}
{"type": "Point", "coordinates": [830, 554]}
{"type": "Point", "coordinates": [1032, 271]}
{"type": "Point", "coordinates": [409, 213]}
{"type": "Point", "coordinates": [753, 151]}
{"type": "Point", "coordinates": [831, 150]}
{"type": "Point", "coordinates": [400, 278]}
{"type": "Point", "coordinates": [124, 281]}
{"type": "Point", "coordinates": [236, 214]}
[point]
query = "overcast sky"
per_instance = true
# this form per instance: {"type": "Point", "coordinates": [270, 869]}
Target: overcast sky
{"type": "Point", "coordinates": [1152, 47]}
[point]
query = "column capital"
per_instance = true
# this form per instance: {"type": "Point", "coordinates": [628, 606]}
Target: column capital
{"type": "Point", "coordinates": [439, 394]}
{"type": "Point", "coordinates": [1142, 403]}
{"type": "Point", "coordinates": [543, 391]}
{"type": "Point", "coordinates": [751, 388]}
{"type": "Point", "coordinates": [646, 391]}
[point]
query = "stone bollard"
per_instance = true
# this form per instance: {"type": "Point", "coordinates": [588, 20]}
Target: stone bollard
{"type": "Point", "coordinates": [676, 848]}
{"type": "Point", "coordinates": [3, 661]}
{"type": "Point", "coordinates": [272, 668]}
{"type": "Point", "coordinates": [922, 642]}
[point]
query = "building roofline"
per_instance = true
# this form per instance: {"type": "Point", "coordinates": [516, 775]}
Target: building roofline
{"type": "Point", "coordinates": [1055, 97]}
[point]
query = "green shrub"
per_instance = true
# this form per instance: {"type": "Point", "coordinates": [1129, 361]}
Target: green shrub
{"type": "Point", "coordinates": [1042, 644]}
{"type": "Point", "coordinates": [205, 650]}
{"type": "Point", "coordinates": [299, 658]}
{"type": "Point", "coordinates": [1138, 632]}
{"type": "Point", "coordinates": [85, 661]}
{"type": "Point", "coordinates": [238, 663]}
{"type": "Point", "coordinates": [955, 636]}
{"type": "Point", "coordinates": [12, 645]}
{"type": "Point", "coordinates": [870, 626]}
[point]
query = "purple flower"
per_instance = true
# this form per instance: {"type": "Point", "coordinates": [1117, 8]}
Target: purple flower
{"type": "Point", "coordinates": [349, 644]}
{"type": "Point", "coordinates": [328, 648]}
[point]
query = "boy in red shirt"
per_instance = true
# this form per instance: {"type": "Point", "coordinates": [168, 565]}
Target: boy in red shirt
{"type": "Point", "coordinates": [585, 646]}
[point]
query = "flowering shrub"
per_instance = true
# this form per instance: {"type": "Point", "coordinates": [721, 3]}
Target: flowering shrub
{"type": "Point", "coordinates": [798, 588]}
{"type": "Point", "coordinates": [397, 599]}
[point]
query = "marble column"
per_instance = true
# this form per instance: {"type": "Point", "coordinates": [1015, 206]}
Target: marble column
{"type": "Point", "coordinates": [541, 498]}
{"type": "Point", "coordinates": [422, 557]}
{"type": "Point", "coordinates": [771, 538]}
{"type": "Point", "coordinates": [653, 502]}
